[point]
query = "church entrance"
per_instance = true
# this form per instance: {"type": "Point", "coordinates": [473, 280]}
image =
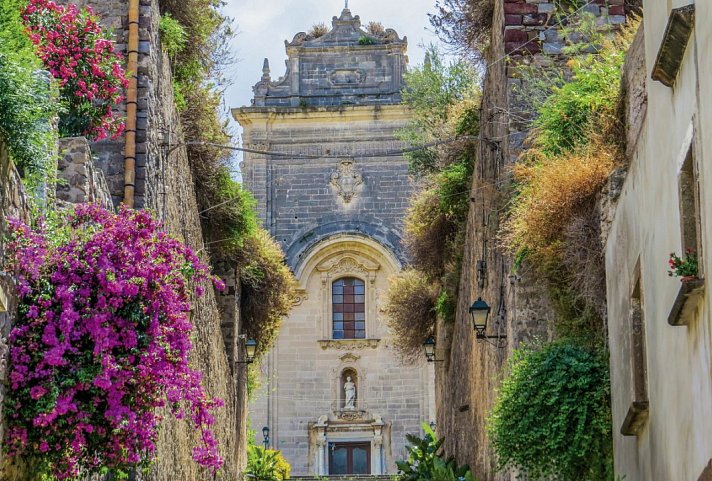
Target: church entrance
{"type": "Point", "coordinates": [350, 458]}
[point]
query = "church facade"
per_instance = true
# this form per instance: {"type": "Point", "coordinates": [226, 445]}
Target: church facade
{"type": "Point", "coordinates": [332, 186]}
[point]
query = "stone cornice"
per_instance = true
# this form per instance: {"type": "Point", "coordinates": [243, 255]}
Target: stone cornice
{"type": "Point", "coordinates": [249, 115]}
{"type": "Point", "coordinates": [348, 344]}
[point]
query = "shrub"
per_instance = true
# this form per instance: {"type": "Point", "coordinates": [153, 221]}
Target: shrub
{"type": "Point", "coordinates": [464, 25]}
{"type": "Point", "coordinates": [376, 29]}
{"type": "Point", "coordinates": [173, 35]}
{"type": "Point", "coordinates": [266, 465]}
{"type": "Point", "coordinates": [425, 463]}
{"type": "Point", "coordinates": [26, 107]}
{"type": "Point", "coordinates": [552, 416]}
{"type": "Point", "coordinates": [410, 309]}
{"type": "Point", "coordinates": [267, 289]}
{"type": "Point", "coordinates": [318, 30]}
{"type": "Point", "coordinates": [366, 40]}
{"type": "Point", "coordinates": [72, 46]}
{"type": "Point", "coordinates": [102, 339]}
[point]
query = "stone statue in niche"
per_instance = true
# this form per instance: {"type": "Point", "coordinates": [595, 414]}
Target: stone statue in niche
{"type": "Point", "coordinates": [346, 179]}
{"type": "Point", "coordinates": [350, 391]}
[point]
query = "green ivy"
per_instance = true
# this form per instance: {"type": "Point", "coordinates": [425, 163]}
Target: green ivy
{"type": "Point", "coordinates": [552, 418]}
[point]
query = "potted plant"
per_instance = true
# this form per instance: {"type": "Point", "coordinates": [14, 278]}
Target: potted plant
{"type": "Point", "coordinates": [686, 268]}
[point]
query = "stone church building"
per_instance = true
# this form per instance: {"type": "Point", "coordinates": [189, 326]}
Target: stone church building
{"type": "Point", "coordinates": [332, 186]}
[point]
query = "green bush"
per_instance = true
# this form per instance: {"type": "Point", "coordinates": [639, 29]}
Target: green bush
{"type": "Point", "coordinates": [266, 465]}
{"type": "Point", "coordinates": [173, 35]}
{"type": "Point", "coordinates": [425, 462]}
{"type": "Point", "coordinates": [552, 417]}
{"type": "Point", "coordinates": [26, 109]}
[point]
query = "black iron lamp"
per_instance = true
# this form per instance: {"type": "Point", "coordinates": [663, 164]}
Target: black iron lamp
{"type": "Point", "coordinates": [429, 346]}
{"type": "Point", "coordinates": [265, 436]}
{"type": "Point", "coordinates": [250, 351]}
{"type": "Point", "coordinates": [433, 426]}
{"type": "Point", "coordinates": [479, 312]}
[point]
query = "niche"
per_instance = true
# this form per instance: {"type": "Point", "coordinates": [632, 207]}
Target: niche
{"type": "Point", "coordinates": [349, 390]}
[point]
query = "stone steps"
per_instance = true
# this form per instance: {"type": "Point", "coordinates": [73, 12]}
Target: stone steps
{"type": "Point", "coordinates": [347, 477]}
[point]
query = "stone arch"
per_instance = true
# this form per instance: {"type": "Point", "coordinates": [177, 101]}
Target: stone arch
{"type": "Point", "coordinates": [311, 236]}
{"type": "Point", "coordinates": [342, 256]}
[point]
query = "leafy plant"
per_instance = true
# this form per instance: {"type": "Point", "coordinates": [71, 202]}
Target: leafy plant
{"type": "Point", "coordinates": [552, 416]}
{"type": "Point", "coordinates": [686, 266]}
{"type": "Point", "coordinates": [101, 340]}
{"type": "Point", "coordinates": [366, 40]}
{"type": "Point", "coordinates": [425, 463]}
{"type": "Point", "coordinates": [318, 30]}
{"type": "Point", "coordinates": [266, 464]}
{"type": "Point", "coordinates": [26, 106]}
{"type": "Point", "coordinates": [173, 35]}
{"type": "Point", "coordinates": [74, 49]}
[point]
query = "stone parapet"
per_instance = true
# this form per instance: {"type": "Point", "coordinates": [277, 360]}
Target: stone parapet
{"type": "Point", "coordinates": [80, 181]}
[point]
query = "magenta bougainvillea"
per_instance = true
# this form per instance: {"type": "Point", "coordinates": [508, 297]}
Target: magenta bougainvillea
{"type": "Point", "coordinates": [101, 342]}
{"type": "Point", "coordinates": [71, 44]}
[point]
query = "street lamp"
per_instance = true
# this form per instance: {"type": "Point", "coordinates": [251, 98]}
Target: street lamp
{"type": "Point", "coordinates": [433, 426]}
{"type": "Point", "coordinates": [265, 435]}
{"type": "Point", "coordinates": [429, 346]}
{"type": "Point", "coordinates": [250, 350]}
{"type": "Point", "coordinates": [479, 312]}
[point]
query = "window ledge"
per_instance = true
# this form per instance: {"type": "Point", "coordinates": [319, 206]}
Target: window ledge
{"type": "Point", "coordinates": [636, 418]}
{"type": "Point", "coordinates": [688, 300]}
{"type": "Point", "coordinates": [346, 344]}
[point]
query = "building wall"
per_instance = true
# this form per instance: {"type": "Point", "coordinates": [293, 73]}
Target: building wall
{"type": "Point", "coordinates": [334, 195]}
{"type": "Point", "coordinates": [674, 443]}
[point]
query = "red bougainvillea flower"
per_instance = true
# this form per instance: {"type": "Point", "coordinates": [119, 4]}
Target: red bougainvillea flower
{"type": "Point", "coordinates": [74, 49]}
{"type": "Point", "coordinates": [102, 341]}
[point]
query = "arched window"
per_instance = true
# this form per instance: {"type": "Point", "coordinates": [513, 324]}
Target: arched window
{"type": "Point", "coordinates": [349, 308]}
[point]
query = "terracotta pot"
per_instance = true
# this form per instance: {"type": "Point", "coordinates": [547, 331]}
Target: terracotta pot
{"type": "Point", "coordinates": [688, 278]}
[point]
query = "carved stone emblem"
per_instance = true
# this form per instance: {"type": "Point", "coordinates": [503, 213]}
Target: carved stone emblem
{"type": "Point", "coordinates": [346, 179]}
{"type": "Point", "coordinates": [347, 77]}
{"type": "Point", "coordinates": [348, 344]}
{"type": "Point", "coordinates": [349, 415]}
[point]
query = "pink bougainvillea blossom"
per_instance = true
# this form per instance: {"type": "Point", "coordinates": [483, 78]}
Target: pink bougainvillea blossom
{"type": "Point", "coordinates": [71, 44]}
{"type": "Point", "coordinates": [102, 341]}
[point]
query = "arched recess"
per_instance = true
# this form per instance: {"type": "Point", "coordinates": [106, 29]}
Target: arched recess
{"type": "Point", "coordinates": [345, 256]}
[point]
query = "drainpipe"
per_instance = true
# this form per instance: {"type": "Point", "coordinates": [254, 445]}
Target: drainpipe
{"type": "Point", "coordinates": [131, 106]}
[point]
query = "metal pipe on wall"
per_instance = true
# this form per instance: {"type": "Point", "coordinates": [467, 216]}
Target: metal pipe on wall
{"type": "Point", "coordinates": [131, 105]}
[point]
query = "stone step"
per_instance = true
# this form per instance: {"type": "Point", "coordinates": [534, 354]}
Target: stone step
{"type": "Point", "coordinates": [347, 477]}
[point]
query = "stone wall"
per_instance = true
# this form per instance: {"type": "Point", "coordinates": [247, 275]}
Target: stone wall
{"type": "Point", "coordinates": [13, 204]}
{"type": "Point", "coordinates": [164, 184]}
{"type": "Point", "coordinates": [468, 379]}
{"type": "Point", "coordinates": [79, 178]}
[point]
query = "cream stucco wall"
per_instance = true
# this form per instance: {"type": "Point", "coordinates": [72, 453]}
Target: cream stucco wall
{"type": "Point", "coordinates": [301, 378]}
{"type": "Point", "coordinates": [676, 442]}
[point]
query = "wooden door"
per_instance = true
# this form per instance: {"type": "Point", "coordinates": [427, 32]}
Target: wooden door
{"type": "Point", "coordinates": [350, 458]}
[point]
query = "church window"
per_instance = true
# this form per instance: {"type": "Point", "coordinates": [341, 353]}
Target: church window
{"type": "Point", "coordinates": [349, 309]}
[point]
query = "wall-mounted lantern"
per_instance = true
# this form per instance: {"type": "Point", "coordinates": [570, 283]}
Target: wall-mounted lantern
{"type": "Point", "coordinates": [250, 350]}
{"type": "Point", "coordinates": [433, 425]}
{"type": "Point", "coordinates": [265, 436]}
{"type": "Point", "coordinates": [429, 346]}
{"type": "Point", "coordinates": [479, 312]}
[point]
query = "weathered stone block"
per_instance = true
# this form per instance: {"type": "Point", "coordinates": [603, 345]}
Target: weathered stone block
{"type": "Point", "coordinates": [520, 8]}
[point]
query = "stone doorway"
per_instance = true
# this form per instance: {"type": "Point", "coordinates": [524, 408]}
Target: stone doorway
{"type": "Point", "coordinates": [349, 458]}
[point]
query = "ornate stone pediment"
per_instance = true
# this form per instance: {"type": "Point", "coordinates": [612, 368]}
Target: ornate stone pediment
{"type": "Point", "coordinates": [348, 265]}
{"type": "Point", "coordinates": [346, 415]}
{"type": "Point", "coordinates": [346, 180]}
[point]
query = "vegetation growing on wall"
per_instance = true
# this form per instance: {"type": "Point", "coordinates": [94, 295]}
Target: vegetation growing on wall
{"type": "Point", "coordinates": [77, 53]}
{"type": "Point", "coordinates": [102, 339]}
{"type": "Point", "coordinates": [26, 111]}
{"type": "Point", "coordinates": [196, 35]}
{"type": "Point", "coordinates": [552, 417]}
{"type": "Point", "coordinates": [464, 25]}
{"type": "Point", "coordinates": [444, 101]}
{"type": "Point", "coordinates": [554, 221]}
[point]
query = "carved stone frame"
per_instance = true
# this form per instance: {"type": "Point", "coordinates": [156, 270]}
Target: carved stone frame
{"type": "Point", "coordinates": [341, 266]}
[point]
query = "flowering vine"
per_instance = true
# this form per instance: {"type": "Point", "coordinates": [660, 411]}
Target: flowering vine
{"type": "Point", "coordinates": [71, 44]}
{"type": "Point", "coordinates": [101, 341]}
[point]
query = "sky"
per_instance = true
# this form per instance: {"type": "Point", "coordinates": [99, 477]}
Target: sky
{"type": "Point", "coordinates": [264, 25]}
